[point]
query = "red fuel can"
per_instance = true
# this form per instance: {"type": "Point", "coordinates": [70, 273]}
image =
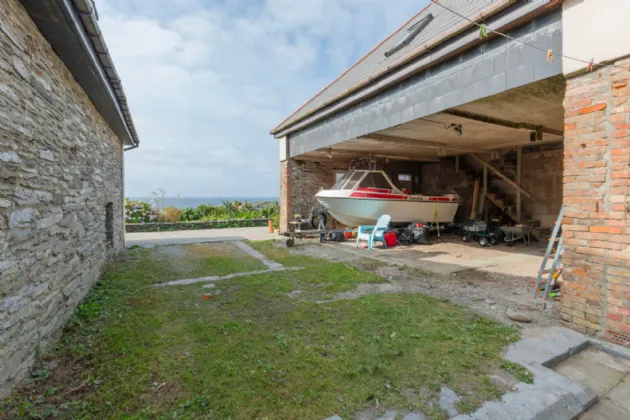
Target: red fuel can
{"type": "Point", "coordinates": [390, 239]}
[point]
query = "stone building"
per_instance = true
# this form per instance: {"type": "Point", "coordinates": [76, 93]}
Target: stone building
{"type": "Point", "coordinates": [64, 126]}
{"type": "Point", "coordinates": [541, 110]}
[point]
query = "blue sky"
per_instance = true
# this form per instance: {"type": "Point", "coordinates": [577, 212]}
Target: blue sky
{"type": "Point", "coordinates": [207, 80]}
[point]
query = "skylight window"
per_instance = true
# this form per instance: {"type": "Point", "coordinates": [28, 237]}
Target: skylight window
{"type": "Point", "coordinates": [410, 34]}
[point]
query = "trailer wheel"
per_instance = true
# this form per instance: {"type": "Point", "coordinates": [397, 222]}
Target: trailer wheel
{"type": "Point", "coordinates": [316, 217]}
{"type": "Point", "coordinates": [465, 238]}
{"type": "Point", "coordinates": [290, 242]}
{"type": "Point", "coordinates": [483, 241]}
{"type": "Point", "coordinates": [493, 240]}
{"type": "Point", "coordinates": [510, 243]}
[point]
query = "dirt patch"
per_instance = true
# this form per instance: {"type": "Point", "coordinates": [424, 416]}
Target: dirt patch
{"type": "Point", "coordinates": [198, 251]}
{"type": "Point", "coordinates": [490, 294]}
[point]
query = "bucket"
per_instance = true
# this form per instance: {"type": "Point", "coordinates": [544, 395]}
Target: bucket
{"type": "Point", "coordinates": [270, 225]}
{"type": "Point", "coordinates": [390, 239]}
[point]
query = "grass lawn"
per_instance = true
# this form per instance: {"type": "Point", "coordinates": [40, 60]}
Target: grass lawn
{"type": "Point", "coordinates": [262, 347]}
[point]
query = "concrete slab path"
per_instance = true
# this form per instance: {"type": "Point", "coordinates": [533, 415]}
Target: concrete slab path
{"type": "Point", "coordinates": [150, 239]}
{"type": "Point", "coordinates": [606, 374]}
{"type": "Point", "coordinates": [453, 256]}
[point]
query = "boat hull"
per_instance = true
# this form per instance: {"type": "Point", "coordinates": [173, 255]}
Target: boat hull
{"type": "Point", "coordinates": [353, 211]}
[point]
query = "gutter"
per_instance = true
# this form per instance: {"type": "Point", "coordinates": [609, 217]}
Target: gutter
{"type": "Point", "coordinates": [312, 117]}
{"type": "Point", "coordinates": [103, 63]}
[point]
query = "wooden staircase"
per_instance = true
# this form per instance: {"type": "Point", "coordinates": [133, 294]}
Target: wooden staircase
{"type": "Point", "coordinates": [501, 194]}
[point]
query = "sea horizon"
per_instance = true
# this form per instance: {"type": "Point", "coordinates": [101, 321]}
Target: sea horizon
{"type": "Point", "coordinates": [187, 202]}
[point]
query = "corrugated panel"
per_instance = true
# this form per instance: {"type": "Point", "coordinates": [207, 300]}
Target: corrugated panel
{"type": "Point", "coordinates": [442, 21]}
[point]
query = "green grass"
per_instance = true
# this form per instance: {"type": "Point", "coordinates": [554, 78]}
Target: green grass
{"type": "Point", "coordinates": [283, 255]}
{"type": "Point", "coordinates": [254, 351]}
{"type": "Point", "coordinates": [200, 260]}
{"type": "Point", "coordinates": [520, 372]}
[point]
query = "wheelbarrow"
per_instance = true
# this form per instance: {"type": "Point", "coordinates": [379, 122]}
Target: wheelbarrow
{"type": "Point", "coordinates": [516, 233]}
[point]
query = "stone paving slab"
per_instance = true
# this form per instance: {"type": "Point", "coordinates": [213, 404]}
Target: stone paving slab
{"type": "Point", "coordinates": [605, 410]}
{"type": "Point", "coordinates": [620, 395]}
{"type": "Point", "coordinates": [547, 346]}
{"type": "Point", "coordinates": [552, 396]}
{"type": "Point", "coordinates": [583, 369]}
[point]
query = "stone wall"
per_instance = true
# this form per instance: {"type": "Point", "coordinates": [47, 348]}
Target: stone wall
{"type": "Point", "coordinates": [596, 228]}
{"type": "Point", "coordinates": [60, 165]}
{"type": "Point", "coordinates": [542, 178]}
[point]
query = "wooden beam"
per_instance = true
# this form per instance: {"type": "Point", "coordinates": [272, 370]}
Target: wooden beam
{"type": "Point", "coordinates": [519, 181]}
{"type": "Point", "coordinates": [333, 153]}
{"type": "Point", "coordinates": [499, 174]}
{"type": "Point", "coordinates": [520, 143]}
{"type": "Point", "coordinates": [502, 123]}
{"type": "Point", "coordinates": [413, 142]}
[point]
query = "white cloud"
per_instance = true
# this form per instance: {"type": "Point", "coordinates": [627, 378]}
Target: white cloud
{"type": "Point", "coordinates": [206, 81]}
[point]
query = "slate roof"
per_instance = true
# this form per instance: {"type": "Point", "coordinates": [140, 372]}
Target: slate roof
{"type": "Point", "coordinates": [375, 61]}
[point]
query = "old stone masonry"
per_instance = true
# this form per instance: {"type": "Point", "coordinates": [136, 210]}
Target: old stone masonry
{"type": "Point", "coordinates": [61, 193]}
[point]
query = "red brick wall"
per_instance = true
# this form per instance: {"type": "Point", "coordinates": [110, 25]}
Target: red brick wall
{"type": "Point", "coordinates": [596, 289]}
{"type": "Point", "coordinates": [285, 195]}
{"type": "Point", "coordinates": [300, 180]}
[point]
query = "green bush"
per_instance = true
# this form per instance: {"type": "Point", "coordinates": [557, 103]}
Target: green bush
{"type": "Point", "coordinates": [231, 211]}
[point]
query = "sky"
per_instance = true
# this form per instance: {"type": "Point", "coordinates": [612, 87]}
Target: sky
{"type": "Point", "coordinates": [206, 80]}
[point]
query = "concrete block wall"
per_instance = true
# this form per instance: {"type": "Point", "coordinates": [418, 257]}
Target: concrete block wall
{"type": "Point", "coordinates": [493, 67]}
{"type": "Point", "coordinates": [60, 165]}
{"type": "Point", "coordinates": [596, 228]}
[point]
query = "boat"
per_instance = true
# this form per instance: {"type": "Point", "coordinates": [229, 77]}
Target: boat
{"type": "Point", "coordinates": [361, 196]}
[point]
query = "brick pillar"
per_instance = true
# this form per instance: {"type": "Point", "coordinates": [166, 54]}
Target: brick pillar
{"type": "Point", "coordinates": [285, 195]}
{"type": "Point", "coordinates": [596, 228]}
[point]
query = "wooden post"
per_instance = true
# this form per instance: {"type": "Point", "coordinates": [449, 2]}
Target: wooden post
{"type": "Point", "coordinates": [473, 213]}
{"type": "Point", "coordinates": [482, 200]}
{"type": "Point", "coordinates": [519, 181]}
{"type": "Point", "coordinates": [485, 180]}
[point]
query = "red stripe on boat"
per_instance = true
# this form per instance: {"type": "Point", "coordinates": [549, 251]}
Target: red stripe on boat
{"type": "Point", "coordinates": [378, 195]}
{"type": "Point", "coordinates": [373, 190]}
{"type": "Point", "coordinates": [440, 199]}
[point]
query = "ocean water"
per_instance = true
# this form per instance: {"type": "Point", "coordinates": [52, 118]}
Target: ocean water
{"type": "Point", "coordinates": [186, 202]}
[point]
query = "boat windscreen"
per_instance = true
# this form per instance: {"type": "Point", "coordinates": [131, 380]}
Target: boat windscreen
{"type": "Point", "coordinates": [342, 181]}
{"type": "Point", "coordinates": [375, 180]}
{"type": "Point", "coordinates": [352, 182]}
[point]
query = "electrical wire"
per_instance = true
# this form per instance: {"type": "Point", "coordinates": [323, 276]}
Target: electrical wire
{"type": "Point", "coordinates": [479, 25]}
{"type": "Point", "coordinates": [550, 54]}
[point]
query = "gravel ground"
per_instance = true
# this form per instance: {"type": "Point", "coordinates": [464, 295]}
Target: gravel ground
{"type": "Point", "coordinates": [491, 294]}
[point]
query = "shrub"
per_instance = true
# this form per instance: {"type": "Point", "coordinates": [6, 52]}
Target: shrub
{"type": "Point", "coordinates": [171, 214]}
{"type": "Point", "coordinates": [231, 211]}
{"type": "Point", "coordinates": [139, 212]}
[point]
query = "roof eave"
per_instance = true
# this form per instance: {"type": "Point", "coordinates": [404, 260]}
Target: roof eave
{"type": "Point", "coordinates": [71, 28]}
{"type": "Point", "coordinates": [285, 129]}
